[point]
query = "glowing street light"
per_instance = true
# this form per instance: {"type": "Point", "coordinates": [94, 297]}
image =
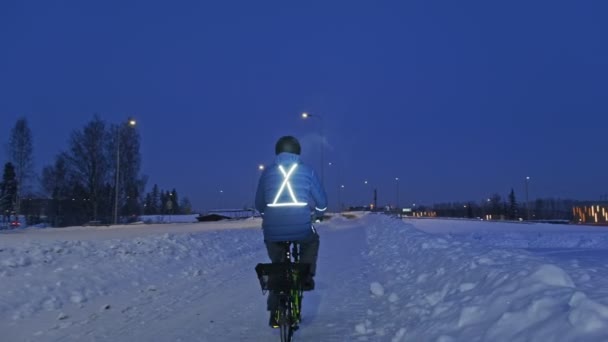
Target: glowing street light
{"type": "Point", "coordinates": [340, 197]}
{"type": "Point", "coordinates": [527, 199]}
{"type": "Point", "coordinates": [130, 123]}
{"type": "Point", "coordinates": [366, 188]}
{"type": "Point", "coordinates": [306, 116]}
{"type": "Point", "coordinates": [397, 183]}
{"type": "Point", "coordinates": [255, 187]}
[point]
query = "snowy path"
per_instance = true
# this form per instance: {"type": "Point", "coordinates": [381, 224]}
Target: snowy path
{"type": "Point", "coordinates": [217, 302]}
{"type": "Point", "coordinates": [329, 311]}
{"type": "Point", "coordinates": [378, 279]}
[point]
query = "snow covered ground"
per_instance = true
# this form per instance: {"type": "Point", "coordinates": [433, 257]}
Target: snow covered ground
{"type": "Point", "coordinates": [379, 279]}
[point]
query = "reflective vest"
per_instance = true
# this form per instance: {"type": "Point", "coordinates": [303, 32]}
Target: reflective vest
{"type": "Point", "coordinates": [286, 185]}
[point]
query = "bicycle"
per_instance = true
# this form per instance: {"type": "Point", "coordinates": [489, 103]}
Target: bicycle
{"type": "Point", "coordinates": [285, 279]}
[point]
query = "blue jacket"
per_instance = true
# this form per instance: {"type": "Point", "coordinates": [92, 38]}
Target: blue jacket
{"type": "Point", "coordinates": [287, 193]}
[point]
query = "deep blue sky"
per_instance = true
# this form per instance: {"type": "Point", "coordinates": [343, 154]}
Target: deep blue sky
{"type": "Point", "coordinates": [459, 99]}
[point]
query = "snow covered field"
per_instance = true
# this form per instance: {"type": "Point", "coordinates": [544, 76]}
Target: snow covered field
{"type": "Point", "coordinates": [379, 279]}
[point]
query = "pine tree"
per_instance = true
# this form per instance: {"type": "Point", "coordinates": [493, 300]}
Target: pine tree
{"type": "Point", "coordinates": [163, 203]}
{"type": "Point", "coordinates": [470, 210]}
{"type": "Point", "coordinates": [155, 201]}
{"type": "Point", "coordinates": [174, 202]}
{"type": "Point", "coordinates": [8, 191]}
{"type": "Point", "coordinates": [148, 205]}
{"type": "Point", "coordinates": [185, 206]}
{"type": "Point", "coordinates": [513, 211]}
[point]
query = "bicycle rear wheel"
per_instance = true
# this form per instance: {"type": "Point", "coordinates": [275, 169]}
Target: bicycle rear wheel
{"type": "Point", "coordinates": [285, 323]}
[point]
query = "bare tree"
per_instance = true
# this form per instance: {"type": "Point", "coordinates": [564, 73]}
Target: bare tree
{"type": "Point", "coordinates": [56, 184]}
{"type": "Point", "coordinates": [55, 178]}
{"type": "Point", "coordinates": [20, 152]}
{"type": "Point", "coordinates": [88, 160]}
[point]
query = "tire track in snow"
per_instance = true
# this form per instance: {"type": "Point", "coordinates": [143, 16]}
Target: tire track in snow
{"type": "Point", "coordinates": [331, 312]}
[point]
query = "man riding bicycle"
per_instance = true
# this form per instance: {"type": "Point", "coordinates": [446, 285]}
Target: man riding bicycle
{"type": "Point", "coordinates": [285, 196]}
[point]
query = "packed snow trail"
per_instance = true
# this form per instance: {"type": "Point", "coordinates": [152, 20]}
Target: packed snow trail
{"type": "Point", "coordinates": [329, 311]}
{"type": "Point", "coordinates": [210, 293]}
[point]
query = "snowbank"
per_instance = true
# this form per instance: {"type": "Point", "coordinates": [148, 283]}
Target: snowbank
{"type": "Point", "coordinates": [449, 289]}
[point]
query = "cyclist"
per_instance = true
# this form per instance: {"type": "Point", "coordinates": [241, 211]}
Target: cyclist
{"type": "Point", "coordinates": [285, 195]}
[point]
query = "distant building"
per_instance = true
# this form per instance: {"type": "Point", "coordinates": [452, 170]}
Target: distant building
{"type": "Point", "coordinates": [423, 213]}
{"type": "Point", "coordinates": [231, 213]}
{"type": "Point", "coordinates": [591, 212]}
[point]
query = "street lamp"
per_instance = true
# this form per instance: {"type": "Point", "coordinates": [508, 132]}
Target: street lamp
{"type": "Point", "coordinates": [255, 188]}
{"type": "Point", "coordinates": [306, 116]}
{"type": "Point", "coordinates": [130, 123]}
{"type": "Point", "coordinates": [340, 197]}
{"type": "Point", "coordinates": [527, 199]}
{"type": "Point", "coordinates": [333, 185]}
{"type": "Point", "coordinates": [367, 203]}
{"type": "Point", "coordinates": [397, 180]}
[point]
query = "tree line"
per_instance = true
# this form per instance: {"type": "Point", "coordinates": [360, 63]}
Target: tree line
{"type": "Point", "coordinates": [497, 208]}
{"type": "Point", "coordinates": [96, 177]}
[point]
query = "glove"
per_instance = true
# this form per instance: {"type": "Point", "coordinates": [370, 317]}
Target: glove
{"type": "Point", "coordinates": [318, 217]}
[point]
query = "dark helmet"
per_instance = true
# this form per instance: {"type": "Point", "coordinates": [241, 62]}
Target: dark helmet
{"type": "Point", "coordinates": [287, 144]}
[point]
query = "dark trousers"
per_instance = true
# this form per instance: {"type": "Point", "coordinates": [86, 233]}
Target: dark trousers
{"type": "Point", "coordinates": [309, 250]}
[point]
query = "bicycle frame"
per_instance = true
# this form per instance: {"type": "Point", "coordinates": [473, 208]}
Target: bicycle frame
{"type": "Point", "coordinates": [285, 280]}
{"type": "Point", "coordinates": [289, 299]}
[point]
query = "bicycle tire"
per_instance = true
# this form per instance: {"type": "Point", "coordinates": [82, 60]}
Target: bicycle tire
{"type": "Point", "coordinates": [285, 328]}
